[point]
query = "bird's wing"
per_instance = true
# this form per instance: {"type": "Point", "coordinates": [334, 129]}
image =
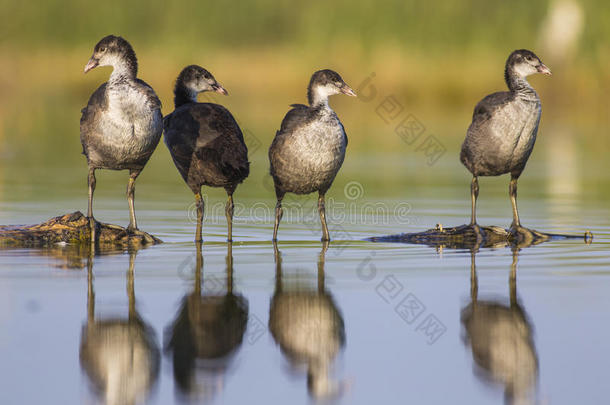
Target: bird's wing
{"type": "Point", "coordinates": [485, 108]}
{"type": "Point", "coordinates": [299, 114]}
{"type": "Point", "coordinates": [151, 96]}
{"type": "Point", "coordinates": [98, 102]}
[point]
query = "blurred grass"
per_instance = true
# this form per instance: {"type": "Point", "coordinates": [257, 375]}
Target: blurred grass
{"type": "Point", "coordinates": [437, 58]}
{"type": "Point", "coordinates": [451, 24]}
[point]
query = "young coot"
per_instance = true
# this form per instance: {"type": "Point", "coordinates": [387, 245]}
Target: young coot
{"type": "Point", "coordinates": [122, 123]}
{"type": "Point", "coordinates": [503, 129]}
{"type": "Point", "coordinates": [309, 148]}
{"type": "Point", "coordinates": [205, 141]}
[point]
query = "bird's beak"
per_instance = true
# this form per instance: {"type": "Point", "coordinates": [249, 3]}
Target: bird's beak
{"type": "Point", "coordinates": [219, 89]}
{"type": "Point", "coordinates": [345, 89]}
{"type": "Point", "coordinates": [543, 69]}
{"type": "Point", "coordinates": [91, 64]}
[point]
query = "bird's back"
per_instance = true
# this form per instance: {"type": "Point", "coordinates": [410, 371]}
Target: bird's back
{"type": "Point", "coordinates": [501, 135]}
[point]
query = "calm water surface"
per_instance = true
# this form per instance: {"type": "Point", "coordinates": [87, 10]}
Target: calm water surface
{"type": "Point", "coordinates": [359, 323]}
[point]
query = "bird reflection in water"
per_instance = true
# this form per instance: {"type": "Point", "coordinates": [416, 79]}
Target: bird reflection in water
{"type": "Point", "coordinates": [501, 339]}
{"type": "Point", "coordinates": [206, 334]}
{"type": "Point", "coordinates": [307, 325]}
{"type": "Point", "coordinates": [119, 355]}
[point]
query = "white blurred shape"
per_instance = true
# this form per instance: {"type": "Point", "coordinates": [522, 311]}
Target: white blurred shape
{"type": "Point", "coordinates": [561, 29]}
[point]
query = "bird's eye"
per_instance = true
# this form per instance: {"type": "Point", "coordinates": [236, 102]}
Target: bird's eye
{"type": "Point", "coordinates": [102, 49]}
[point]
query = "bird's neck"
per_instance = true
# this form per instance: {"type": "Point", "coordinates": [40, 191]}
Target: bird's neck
{"type": "Point", "coordinates": [124, 68]}
{"type": "Point", "coordinates": [318, 98]}
{"type": "Point", "coordinates": [183, 95]}
{"type": "Point", "coordinates": [519, 85]}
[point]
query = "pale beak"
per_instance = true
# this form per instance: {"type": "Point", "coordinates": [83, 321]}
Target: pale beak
{"type": "Point", "coordinates": [345, 89]}
{"type": "Point", "coordinates": [91, 64]}
{"type": "Point", "coordinates": [543, 69]}
{"type": "Point", "coordinates": [219, 89]}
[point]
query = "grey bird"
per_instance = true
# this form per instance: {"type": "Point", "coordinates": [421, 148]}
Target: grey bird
{"type": "Point", "coordinates": [205, 141]}
{"type": "Point", "coordinates": [121, 125]}
{"type": "Point", "coordinates": [504, 125]}
{"type": "Point", "coordinates": [308, 150]}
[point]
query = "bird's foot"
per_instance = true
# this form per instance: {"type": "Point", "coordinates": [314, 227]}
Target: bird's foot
{"type": "Point", "coordinates": [132, 229]}
{"type": "Point", "coordinates": [521, 235]}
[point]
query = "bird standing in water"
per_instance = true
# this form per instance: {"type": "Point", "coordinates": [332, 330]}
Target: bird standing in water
{"type": "Point", "coordinates": [121, 125]}
{"type": "Point", "coordinates": [308, 150]}
{"type": "Point", "coordinates": [501, 136]}
{"type": "Point", "coordinates": [205, 141]}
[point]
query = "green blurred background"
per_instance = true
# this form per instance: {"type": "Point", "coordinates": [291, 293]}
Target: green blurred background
{"type": "Point", "coordinates": [437, 59]}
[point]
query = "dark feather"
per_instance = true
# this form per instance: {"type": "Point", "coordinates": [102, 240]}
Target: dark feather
{"type": "Point", "coordinates": [97, 102]}
{"type": "Point", "coordinates": [207, 146]}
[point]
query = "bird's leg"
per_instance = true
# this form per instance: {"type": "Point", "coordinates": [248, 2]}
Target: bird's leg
{"type": "Point", "coordinates": [91, 182]}
{"type": "Point", "coordinates": [278, 216]}
{"type": "Point", "coordinates": [229, 215]}
{"type": "Point", "coordinates": [200, 207]}
{"type": "Point", "coordinates": [512, 192]}
{"type": "Point", "coordinates": [131, 190]}
{"type": "Point", "coordinates": [322, 212]}
{"type": "Point", "coordinates": [522, 236]}
{"type": "Point", "coordinates": [474, 194]}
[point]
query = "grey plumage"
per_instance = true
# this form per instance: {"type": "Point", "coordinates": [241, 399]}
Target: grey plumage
{"type": "Point", "coordinates": [504, 125]}
{"type": "Point", "coordinates": [308, 150]}
{"type": "Point", "coordinates": [205, 142]}
{"type": "Point", "coordinates": [122, 123]}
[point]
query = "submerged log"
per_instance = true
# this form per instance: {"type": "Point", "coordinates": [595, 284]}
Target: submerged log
{"type": "Point", "coordinates": [74, 229]}
{"type": "Point", "coordinates": [465, 237]}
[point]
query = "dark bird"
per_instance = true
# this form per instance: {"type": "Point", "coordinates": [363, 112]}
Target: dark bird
{"type": "Point", "coordinates": [122, 123]}
{"type": "Point", "coordinates": [308, 150]}
{"type": "Point", "coordinates": [205, 141]}
{"type": "Point", "coordinates": [501, 136]}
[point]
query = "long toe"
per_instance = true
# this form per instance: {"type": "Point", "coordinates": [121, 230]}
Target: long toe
{"type": "Point", "coordinates": [522, 236]}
